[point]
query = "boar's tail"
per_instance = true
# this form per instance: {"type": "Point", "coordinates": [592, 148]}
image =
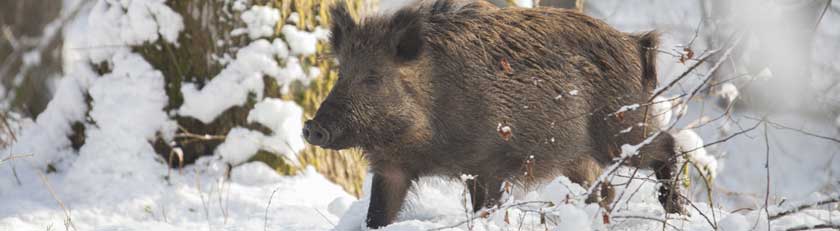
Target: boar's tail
{"type": "Point", "coordinates": [648, 43]}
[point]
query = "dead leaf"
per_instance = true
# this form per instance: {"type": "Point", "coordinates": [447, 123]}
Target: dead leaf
{"type": "Point", "coordinates": [688, 54]}
{"type": "Point", "coordinates": [606, 218]}
{"type": "Point", "coordinates": [504, 131]}
{"type": "Point", "coordinates": [506, 66]}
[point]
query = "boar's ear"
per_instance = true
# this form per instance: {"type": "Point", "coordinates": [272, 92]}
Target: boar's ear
{"type": "Point", "coordinates": [342, 22]}
{"type": "Point", "coordinates": [407, 28]}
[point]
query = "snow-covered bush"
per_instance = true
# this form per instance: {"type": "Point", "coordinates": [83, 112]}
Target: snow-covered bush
{"type": "Point", "coordinates": [151, 80]}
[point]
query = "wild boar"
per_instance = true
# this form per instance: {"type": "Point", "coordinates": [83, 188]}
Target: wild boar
{"type": "Point", "coordinates": [446, 89]}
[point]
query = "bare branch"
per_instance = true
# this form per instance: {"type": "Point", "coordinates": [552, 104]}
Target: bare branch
{"type": "Point", "coordinates": [194, 137]}
{"type": "Point", "coordinates": [12, 157]}
{"type": "Point", "coordinates": [825, 9]}
{"type": "Point", "coordinates": [490, 211]}
{"type": "Point", "coordinates": [822, 226]}
{"type": "Point", "coordinates": [767, 169]}
{"type": "Point", "coordinates": [68, 221]}
{"type": "Point", "coordinates": [803, 207]}
{"type": "Point", "coordinates": [663, 221]}
{"type": "Point", "coordinates": [726, 138]}
{"type": "Point", "coordinates": [784, 127]}
{"type": "Point", "coordinates": [683, 75]}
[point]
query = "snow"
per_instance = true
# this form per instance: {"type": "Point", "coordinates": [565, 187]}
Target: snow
{"type": "Point", "coordinates": [625, 108]}
{"type": "Point", "coordinates": [244, 75]}
{"type": "Point", "coordinates": [340, 205]}
{"type": "Point", "coordinates": [687, 141]}
{"type": "Point", "coordinates": [117, 24]}
{"type": "Point", "coordinates": [231, 87]}
{"type": "Point", "coordinates": [466, 177]}
{"type": "Point", "coordinates": [127, 106]}
{"type": "Point", "coordinates": [572, 218]}
{"type": "Point", "coordinates": [525, 3]}
{"type": "Point", "coordinates": [734, 222]}
{"type": "Point", "coordinates": [195, 200]}
{"type": "Point", "coordinates": [301, 42]}
{"type": "Point", "coordinates": [629, 150]}
{"type": "Point", "coordinates": [240, 144]}
{"type": "Point", "coordinates": [260, 21]}
{"type": "Point", "coordinates": [282, 117]}
{"type": "Point", "coordinates": [46, 137]}
{"type": "Point", "coordinates": [837, 121]}
{"type": "Point", "coordinates": [728, 92]}
{"type": "Point", "coordinates": [626, 130]}
{"type": "Point", "coordinates": [116, 181]}
{"type": "Point", "coordinates": [562, 191]}
{"type": "Point", "coordinates": [661, 111]}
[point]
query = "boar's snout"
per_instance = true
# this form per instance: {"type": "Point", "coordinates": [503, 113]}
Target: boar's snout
{"type": "Point", "coordinates": [316, 134]}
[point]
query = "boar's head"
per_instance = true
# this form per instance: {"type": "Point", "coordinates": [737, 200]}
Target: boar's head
{"type": "Point", "coordinates": [383, 79]}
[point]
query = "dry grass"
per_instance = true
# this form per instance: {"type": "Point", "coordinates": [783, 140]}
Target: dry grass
{"type": "Point", "coordinates": [346, 168]}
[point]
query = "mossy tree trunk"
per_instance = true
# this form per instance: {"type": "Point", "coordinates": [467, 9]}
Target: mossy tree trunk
{"type": "Point", "coordinates": [205, 24]}
{"type": "Point", "coordinates": [22, 26]}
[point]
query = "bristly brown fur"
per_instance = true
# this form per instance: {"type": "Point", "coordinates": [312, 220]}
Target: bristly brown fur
{"type": "Point", "coordinates": [648, 45]}
{"type": "Point", "coordinates": [424, 92]}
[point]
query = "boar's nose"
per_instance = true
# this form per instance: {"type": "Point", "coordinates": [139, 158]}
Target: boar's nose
{"type": "Point", "coordinates": [315, 134]}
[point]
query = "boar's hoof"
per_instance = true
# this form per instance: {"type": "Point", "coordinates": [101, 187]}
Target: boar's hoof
{"type": "Point", "coordinates": [671, 202]}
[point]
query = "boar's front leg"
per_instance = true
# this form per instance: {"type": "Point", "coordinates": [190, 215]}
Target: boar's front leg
{"type": "Point", "coordinates": [389, 187]}
{"type": "Point", "coordinates": [484, 192]}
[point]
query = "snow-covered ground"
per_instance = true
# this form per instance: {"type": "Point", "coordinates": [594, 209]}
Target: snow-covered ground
{"type": "Point", "coordinates": [116, 182]}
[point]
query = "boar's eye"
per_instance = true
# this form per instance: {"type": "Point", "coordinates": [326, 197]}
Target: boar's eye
{"type": "Point", "coordinates": [371, 80]}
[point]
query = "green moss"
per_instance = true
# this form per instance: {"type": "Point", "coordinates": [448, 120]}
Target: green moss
{"type": "Point", "coordinates": [279, 164]}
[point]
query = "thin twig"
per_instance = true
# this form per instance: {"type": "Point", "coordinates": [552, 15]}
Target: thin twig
{"type": "Point", "coordinates": [803, 207]}
{"type": "Point", "coordinates": [13, 157]}
{"type": "Point", "coordinates": [187, 134]}
{"type": "Point", "coordinates": [767, 169]}
{"type": "Point", "coordinates": [67, 218]}
{"type": "Point", "coordinates": [265, 223]}
{"type": "Point", "coordinates": [203, 202]}
{"type": "Point", "coordinates": [825, 9]}
{"type": "Point", "coordinates": [5, 119]}
{"type": "Point", "coordinates": [709, 191]}
{"type": "Point", "coordinates": [821, 226]}
{"type": "Point", "coordinates": [708, 220]}
{"type": "Point", "coordinates": [490, 211]}
{"type": "Point", "coordinates": [324, 216]}
{"type": "Point", "coordinates": [724, 139]}
{"type": "Point", "coordinates": [664, 222]}
{"type": "Point", "coordinates": [683, 75]}
{"type": "Point", "coordinates": [801, 131]}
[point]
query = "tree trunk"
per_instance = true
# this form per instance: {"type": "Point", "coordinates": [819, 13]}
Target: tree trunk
{"type": "Point", "coordinates": [26, 89]}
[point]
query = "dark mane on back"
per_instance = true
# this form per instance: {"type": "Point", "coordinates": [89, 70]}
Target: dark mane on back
{"type": "Point", "coordinates": [400, 33]}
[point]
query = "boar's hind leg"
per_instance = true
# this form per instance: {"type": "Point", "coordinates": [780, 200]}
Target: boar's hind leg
{"type": "Point", "coordinates": [660, 156]}
{"type": "Point", "coordinates": [484, 193]}
{"type": "Point", "coordinates": [388, 190]}
{"type": "Point", "coordinates": [585, 172]}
